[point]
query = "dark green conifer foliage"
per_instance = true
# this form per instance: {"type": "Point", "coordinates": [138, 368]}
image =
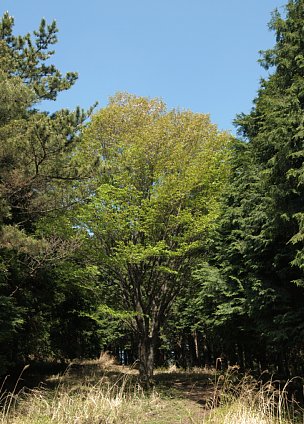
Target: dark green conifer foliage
{"type": "Point", "coordinates": [26, 57]}
{"type": "Point", "coordinates": [262, 227]}
{"type": "Point", "coordinates": [275, 130]}
{"type": "Point", "coordinates": [37, 178]}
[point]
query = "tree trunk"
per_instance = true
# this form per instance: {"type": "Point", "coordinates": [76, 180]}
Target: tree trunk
{"type": "Point", "coordinates": [197, 343]}
{"type": "Point", "coordinates": [146, 353]}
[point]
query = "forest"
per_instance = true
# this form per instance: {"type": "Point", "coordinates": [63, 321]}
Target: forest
{"type": "Point", "coordinates": [146, 232]}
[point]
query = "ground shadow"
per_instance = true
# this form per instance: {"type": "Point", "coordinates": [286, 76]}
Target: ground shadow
{"type": "Point", "coordinates": [195, 386]}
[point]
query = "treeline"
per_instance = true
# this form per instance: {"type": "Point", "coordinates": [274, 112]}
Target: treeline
{"type": "Point", "coordinates": [147, 232]}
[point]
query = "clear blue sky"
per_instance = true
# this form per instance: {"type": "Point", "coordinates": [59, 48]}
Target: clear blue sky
{"type": "Point", "coordinates": [194, 54]}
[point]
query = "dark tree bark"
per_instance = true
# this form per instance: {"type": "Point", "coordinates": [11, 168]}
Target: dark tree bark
{"type": "Point", "coordinates": [146, 355]}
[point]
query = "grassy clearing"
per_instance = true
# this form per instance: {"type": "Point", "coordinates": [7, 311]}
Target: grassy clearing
{"type": "Point", "coordinates": [104, 393]}
{"type": "Point", "coordinates": [97, 392]}
{"type": "Point", "coordinates": [100, 403]}
{"type": "Point", "coordinates": [95, 404]}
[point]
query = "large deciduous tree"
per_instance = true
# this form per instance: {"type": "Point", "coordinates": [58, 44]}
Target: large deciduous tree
{"type": "Point", "coordinates": [157, 193]}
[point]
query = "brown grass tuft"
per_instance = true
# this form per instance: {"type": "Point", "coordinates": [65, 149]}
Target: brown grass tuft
{"type": "Point", "coordinates": [249, 401]}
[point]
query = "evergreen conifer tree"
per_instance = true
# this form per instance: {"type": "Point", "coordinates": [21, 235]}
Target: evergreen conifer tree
{"type": "Point", "coordinates": [262, 227]}
{"type": "Point", "coordinates": [36, 174]}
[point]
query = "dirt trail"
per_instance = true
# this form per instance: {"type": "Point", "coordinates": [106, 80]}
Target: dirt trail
{"type": "Point", "coordinates": [196, 386]}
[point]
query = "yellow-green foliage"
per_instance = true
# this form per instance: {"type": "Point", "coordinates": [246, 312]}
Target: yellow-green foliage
{"type": "Point", "coordinates": [155, 193]}
{"type": "Point", "coordinates": [155, 197]}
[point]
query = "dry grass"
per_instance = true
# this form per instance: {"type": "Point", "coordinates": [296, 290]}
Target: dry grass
{"type": "Point", "coordinates": [94, 396]}
{"type": "Point", "coordinates": [92, 392]}
{"type": "Point", "coordinates": [173, 369]}
{"type": "Point", "coordinates": [103, 402]}
{"type": "Point", "coordinates": [247, 401]}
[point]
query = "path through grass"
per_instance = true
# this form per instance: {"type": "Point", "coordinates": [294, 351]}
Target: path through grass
{"type": "Point", "coordinates": [100, 392]}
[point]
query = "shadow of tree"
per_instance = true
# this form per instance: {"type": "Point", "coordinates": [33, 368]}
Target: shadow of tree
{"type": "Point", "coordinates": [194, 386]}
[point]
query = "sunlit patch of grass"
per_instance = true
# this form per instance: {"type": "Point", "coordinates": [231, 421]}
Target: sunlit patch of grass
{"type": "Point", "coordinates": [173, 369]}
{"type": "Point", "coordinates": [88, 395]}
{"type": "Point", "coordinates": [76, 399]}
{"type": "Point", "coordinates": [84, 404]}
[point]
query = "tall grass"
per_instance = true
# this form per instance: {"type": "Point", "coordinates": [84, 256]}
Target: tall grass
{"type": "Point", "coordinates": [100, 403]}
{"type": "Point", "coordinates": [78, 400]}
{"type": "Point", "coordinates": [248, 401]}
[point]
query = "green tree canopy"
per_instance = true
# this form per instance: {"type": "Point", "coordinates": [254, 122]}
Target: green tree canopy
{"type": "Point", "coordinates": [157, 193]}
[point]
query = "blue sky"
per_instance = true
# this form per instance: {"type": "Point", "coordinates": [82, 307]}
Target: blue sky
{"type": "Point", "coordinates": [194, 54]}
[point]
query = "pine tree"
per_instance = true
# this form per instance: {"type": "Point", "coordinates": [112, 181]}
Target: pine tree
{"type": "Point", "coordinates": [37, 175]}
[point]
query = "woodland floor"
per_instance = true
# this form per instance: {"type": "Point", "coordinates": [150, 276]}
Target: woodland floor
{"type": "Point", "coordinates": [102, 392]}
{"type": "Point", "coordinates": [183, 396]}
